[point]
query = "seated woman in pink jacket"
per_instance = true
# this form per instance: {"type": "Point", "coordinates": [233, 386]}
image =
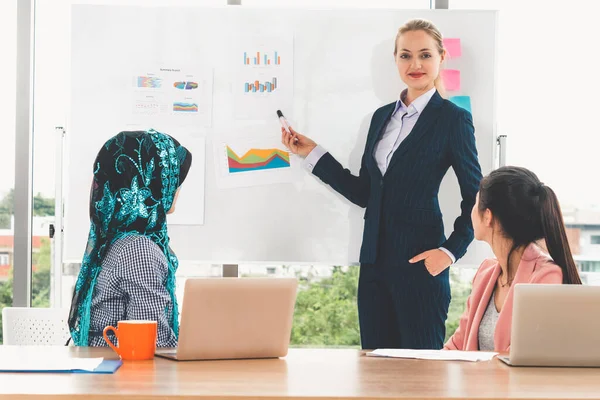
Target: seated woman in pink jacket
{"type": "Point", "coordinates": [513, 211]}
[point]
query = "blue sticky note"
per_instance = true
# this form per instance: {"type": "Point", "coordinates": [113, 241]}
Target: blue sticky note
{"type": "Point", "coordinates": [462, 101]}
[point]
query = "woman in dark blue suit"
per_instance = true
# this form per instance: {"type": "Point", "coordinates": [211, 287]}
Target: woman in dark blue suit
{"type": "Point", "coordinates": [404, 289]}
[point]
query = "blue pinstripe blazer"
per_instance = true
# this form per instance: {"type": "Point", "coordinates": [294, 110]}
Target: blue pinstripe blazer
{"type": "Point", "coordinates": [403, 216]}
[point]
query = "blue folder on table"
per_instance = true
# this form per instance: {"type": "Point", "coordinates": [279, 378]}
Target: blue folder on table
{"type": "Point", "coordinates": [106, 367]}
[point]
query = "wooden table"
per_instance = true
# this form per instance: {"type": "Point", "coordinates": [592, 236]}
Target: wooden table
{"type": "Point", "coordinates": [305, 374]}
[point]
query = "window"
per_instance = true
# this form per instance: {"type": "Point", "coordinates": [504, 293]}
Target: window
{"type": "Point", "coordinates": [4, 260]}
{"type": "Point", "coordinates": [52, 60]}
{"type": "Point", "coordinates": [589, 266]}
{"type": "Point", "coordinates": [526, 122]}
{"type": "Point", "coordinates": [327, 291]}
{"type": "Point", "coordinates": [50, 111]}
{"type": "Point", "coordinates": [8, 53]}
{"type": "Point", "coordinates": [324, 289]}
{"type": "Point", "coordinates": [529, 124]}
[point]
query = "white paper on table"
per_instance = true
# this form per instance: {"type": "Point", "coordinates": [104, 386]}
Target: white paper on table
{"type": "Point", "coordinates": [447, 355]}
{"type": "Point", "coordinates": [49, 364]}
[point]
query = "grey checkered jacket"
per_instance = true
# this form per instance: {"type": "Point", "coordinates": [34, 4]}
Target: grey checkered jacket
{"type": "Point", "coordinates": [131, 285]}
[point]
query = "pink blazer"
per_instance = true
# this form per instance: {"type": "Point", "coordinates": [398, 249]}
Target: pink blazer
{"type": "Point", "coordinates": [535, 267]}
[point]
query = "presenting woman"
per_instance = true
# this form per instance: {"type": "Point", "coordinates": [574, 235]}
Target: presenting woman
{"type": "Point", "coordinates": [404, 289]}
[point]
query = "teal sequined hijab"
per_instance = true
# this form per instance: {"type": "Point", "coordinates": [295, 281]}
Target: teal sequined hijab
{"type": "Point", "coordinates": [136, 176]}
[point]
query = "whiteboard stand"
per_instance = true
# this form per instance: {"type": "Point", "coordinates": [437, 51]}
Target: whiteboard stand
{"type": "Point", "coordinates": [439, 4]}
{"type": "Point", "coordinates": [56, 229]}
{"type": "Point", "coordinates": [230, 271]}
{"type": "Point", "coordinates": [501, 141]}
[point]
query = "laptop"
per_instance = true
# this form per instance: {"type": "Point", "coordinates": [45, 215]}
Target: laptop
{"type": "Point", "coordinates": [234, 318]}
{"type": "Point", "coordinates": [555, 326]}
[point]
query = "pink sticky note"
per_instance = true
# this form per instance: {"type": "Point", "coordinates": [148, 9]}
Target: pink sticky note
{"type": "Point", "coordinates": [453, 48]}
{"type": "Point", "coordinates": [451, 79]}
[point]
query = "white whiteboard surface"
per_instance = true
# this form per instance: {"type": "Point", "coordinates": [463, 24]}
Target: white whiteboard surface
{"type": "Point", "coordinates": [343, 71]}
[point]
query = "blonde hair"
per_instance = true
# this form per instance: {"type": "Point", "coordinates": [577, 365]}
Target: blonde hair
{"type": "Point", "coordinates": [429, 28]}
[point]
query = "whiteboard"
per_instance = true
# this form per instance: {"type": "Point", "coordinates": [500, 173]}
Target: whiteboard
{"type": "Point", "coordinates": [343, 70]}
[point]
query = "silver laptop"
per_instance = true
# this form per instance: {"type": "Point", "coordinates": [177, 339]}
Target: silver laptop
{"type": "Point", "coordinates": [555, 326]}
{"type": "Point", "coordinates": [233, 318]}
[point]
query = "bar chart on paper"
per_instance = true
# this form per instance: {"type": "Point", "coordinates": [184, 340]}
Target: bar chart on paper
{"type": "Point", "coordinates": [263, 76]}
{"type": "Point", "coordinates": [261, 87]}
{"type": "Point", "coordinates": [258, 93]}
{"type": "Point", "coordinates": [260, 58]}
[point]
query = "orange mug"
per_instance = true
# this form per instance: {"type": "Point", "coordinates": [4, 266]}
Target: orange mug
{"type": "Point", "coordinates": [137, 339]}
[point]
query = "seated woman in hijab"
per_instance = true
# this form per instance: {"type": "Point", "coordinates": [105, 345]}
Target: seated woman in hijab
{"type": "Point", "coordinates": [128, 269]}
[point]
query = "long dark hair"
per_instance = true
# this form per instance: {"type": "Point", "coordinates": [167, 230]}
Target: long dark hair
{"type": "Point", "coordinates": [528, 211]}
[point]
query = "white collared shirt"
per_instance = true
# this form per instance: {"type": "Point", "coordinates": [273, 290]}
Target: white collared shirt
{"type": "Point", "coordinates": [401, 123]}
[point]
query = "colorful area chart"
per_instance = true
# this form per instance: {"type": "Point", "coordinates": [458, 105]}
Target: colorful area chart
{"type": "Point", "coordinates": [257, 159]}
{"type": "Point", "coordinates": [185, 107]}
